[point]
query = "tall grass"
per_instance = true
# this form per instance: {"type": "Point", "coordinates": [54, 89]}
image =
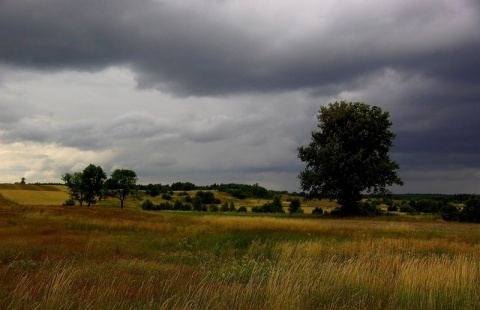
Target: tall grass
{"type": "Point", "coordinates": [104, 258]}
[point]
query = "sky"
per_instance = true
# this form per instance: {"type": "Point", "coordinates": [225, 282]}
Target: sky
{"type": "Point", "coordinates": [225, 91]}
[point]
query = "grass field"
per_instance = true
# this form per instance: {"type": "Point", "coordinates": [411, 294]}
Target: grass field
{"type": "Point", "coordinates": [54, 257]}
{"type": "Point", "coordinates": [27, 194]}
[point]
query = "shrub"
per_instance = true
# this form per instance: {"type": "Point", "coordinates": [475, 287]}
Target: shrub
{"type": "Point", "coordinates": [242, 209]}
{"type": "Point", "coordinates": [471, 211]}
{"type": "Point", "coordinates": [317, 210]}
{"type": "Point", "coordinates": [366, 209]}
{"type": "Point", "coordinates": [224, 207]}
{"type": "Point", "coordinates": [408, 209]}
{"type": "Point", "coordinates": [166, 196]}
{"type": "Point", "coordinates": [295, 206]}
{"type": "Point", "coordinates": [178, 205]}
{"type": "Point", "coordinates": [147, 205]}
{"type": "Point", "coordinates": [393, 208]}
{"type": "Point", "coordinates": [213, 208]}
{"type": "Point", "coordinates": [69, 202]}
{"type": "Point", "coordinates": [450, 213]}
{"type": "Point", "coordinates": [272, 207]}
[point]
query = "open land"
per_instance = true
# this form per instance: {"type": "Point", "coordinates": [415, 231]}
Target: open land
{"type": "Point", "coordinates": [57, 257]}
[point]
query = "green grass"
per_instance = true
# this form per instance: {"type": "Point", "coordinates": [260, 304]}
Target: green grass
{"type": "Point", "coordinates": [101, 257]}
{"type": "Point", "coordinates": [54, 257]}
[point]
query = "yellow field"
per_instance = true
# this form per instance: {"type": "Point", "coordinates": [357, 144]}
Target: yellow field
{"type": "Point", "coordinates": [34, 194]}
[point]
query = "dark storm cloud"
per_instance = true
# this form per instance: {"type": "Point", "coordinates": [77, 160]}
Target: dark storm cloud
{"type": "Point", "coordinates": [418, 60]}
{"type": "Point", "coordinates": [201, 48]}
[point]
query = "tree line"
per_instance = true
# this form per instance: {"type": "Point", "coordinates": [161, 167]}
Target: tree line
{"type": "Point", "coordinates": [240, 191]}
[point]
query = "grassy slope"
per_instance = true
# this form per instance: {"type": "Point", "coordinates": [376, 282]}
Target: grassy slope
{"type": "Point", "coordinates": [54, 257]}
{"type": "Point", "coordinates": [34, 194]}
{"type": "Point", "coordinates": [56, 195]}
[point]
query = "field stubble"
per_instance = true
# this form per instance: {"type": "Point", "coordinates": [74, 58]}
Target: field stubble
{"type": "Point", "coordinates": [90, 258]}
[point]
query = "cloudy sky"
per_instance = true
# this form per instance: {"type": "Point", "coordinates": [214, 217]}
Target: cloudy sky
{"type": "Point", "coordinates": [226, 90]}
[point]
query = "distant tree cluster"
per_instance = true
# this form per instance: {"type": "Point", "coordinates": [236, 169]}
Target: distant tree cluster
{"type": "Point", "coordinates": [242, 191]}
{"type": "Point", "coordinates": [203, 201]}
{"type": "Point", "coordinates": [469, 213]}
{"type": "Point", "coordinates": [92, 185]}
{"type": "Point", "coordinates": [275, 206]}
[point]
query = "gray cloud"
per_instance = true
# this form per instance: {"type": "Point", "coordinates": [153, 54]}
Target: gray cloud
{"type": "Point", "coordinates": [210, 47]}
{"type": "Point", "coordinates": [244, 80]}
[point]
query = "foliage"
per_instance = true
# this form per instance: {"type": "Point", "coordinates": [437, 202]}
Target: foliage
{"type": "Point", "coordinates": [167, 196]}
{"type": "Point", "coordinates": [69, 202]}
{"type": "Point", "coordinates": [74, 183]}
{"type": "Point", "coordinates": [471, 211]}
{"type": "Point", "coordinates": [242, 191]}
{"type": "Point", "coordinates": [153, 190]}
{"type": "Point", "coordinates": [368, 209]}
{"type": "Point", "coordinates": [275, 206]}
{"type": "Point", "coordinates": [179, 186]}
{"type": "Point", "coordinates": [121, 184]}
{"type": "Point", "coordinates": [392, 208]}
{"type": "Point", "coordinates": [349, 154]}
{"type": "Point", "coordinates": [225, 207]}
{"type": "Point", "coordinates": [450, 213]}
{"type": "Point", "coordinates": [207, 197]}
{"type": "Point", "coordinates": [93, 178]}
{"type": "Point", "coordinates": [295, 206]}
{"type": "Point", "coordinates": [408, 209]}
{"type": "Point", "coordinates": [317, 210]}
{"type": "Point", "coordinates": [148, 205]}
{"type": "Point", "coordinates": [242, 209]}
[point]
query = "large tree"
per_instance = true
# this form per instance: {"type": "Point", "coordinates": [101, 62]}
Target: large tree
{"type": "Point", "coordinates": [122, 183]}
{"type": "Point", "coordinates": [349, 154]}
{"type": "Point", "coordinates": [93, 178]}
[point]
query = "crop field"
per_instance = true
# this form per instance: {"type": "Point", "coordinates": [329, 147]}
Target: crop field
{"type": "Point", "coordinates": [54, 257]}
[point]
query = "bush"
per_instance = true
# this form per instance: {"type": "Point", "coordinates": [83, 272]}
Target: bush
{"type": "Point", "coordinates": [393, 208]}
{"type": "Point", "coordinates": [224, 207]}
{"type": "Point", "coordinates": [147, 205]}
{"type": "Point", "coordinates": [408, 209]}
{"type": "Point", "coordinates": [295, 206]}
{"type": "Point", "coordinates": [317, 210]}
{"type": "Point", "coordinates": [471, 211]}
{"type": "Point", "coordinates": [213, 208]}
{"type": "Point", "coordinates": [166, 197]}
{"type": "Point", "coordinates": [450, 213]}
{"type": "Point", "coordinates": [69, 202]}
{"type": "Point", "coordinates": [242, 209]}
{"type": "Point", "coordinates": [272, 207]}
{"type": "Point", "coordinates": [366, 209]}
{"type": "Point", "coordinates": [178, 205]}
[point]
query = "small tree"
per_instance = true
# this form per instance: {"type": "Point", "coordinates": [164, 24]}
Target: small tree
{"type": "Point", "coordinates": [224, 207]}
{"type": "Point", "coordinates": [295, 206]}
{"type": "Point", "coordinates": [349, 154]}
{"type": "Point", "coordinates": [74, 182]}
{"type": "Point", "coordinates": [22, 181]}
{"type": "Point", "coordinates": [122, 183]}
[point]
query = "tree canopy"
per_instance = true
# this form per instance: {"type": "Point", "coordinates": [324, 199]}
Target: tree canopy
{"type": "Point", "coordinates": [349, 154]}
{"type": "Point", "coordinates": [122, 183]}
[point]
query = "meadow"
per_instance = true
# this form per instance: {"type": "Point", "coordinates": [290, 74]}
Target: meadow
{"type": "Point", "coordinates": [101, 257]}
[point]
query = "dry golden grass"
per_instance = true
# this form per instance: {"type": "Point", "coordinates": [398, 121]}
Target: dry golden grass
{"type": "Point", "coordinates": [54, 257]}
